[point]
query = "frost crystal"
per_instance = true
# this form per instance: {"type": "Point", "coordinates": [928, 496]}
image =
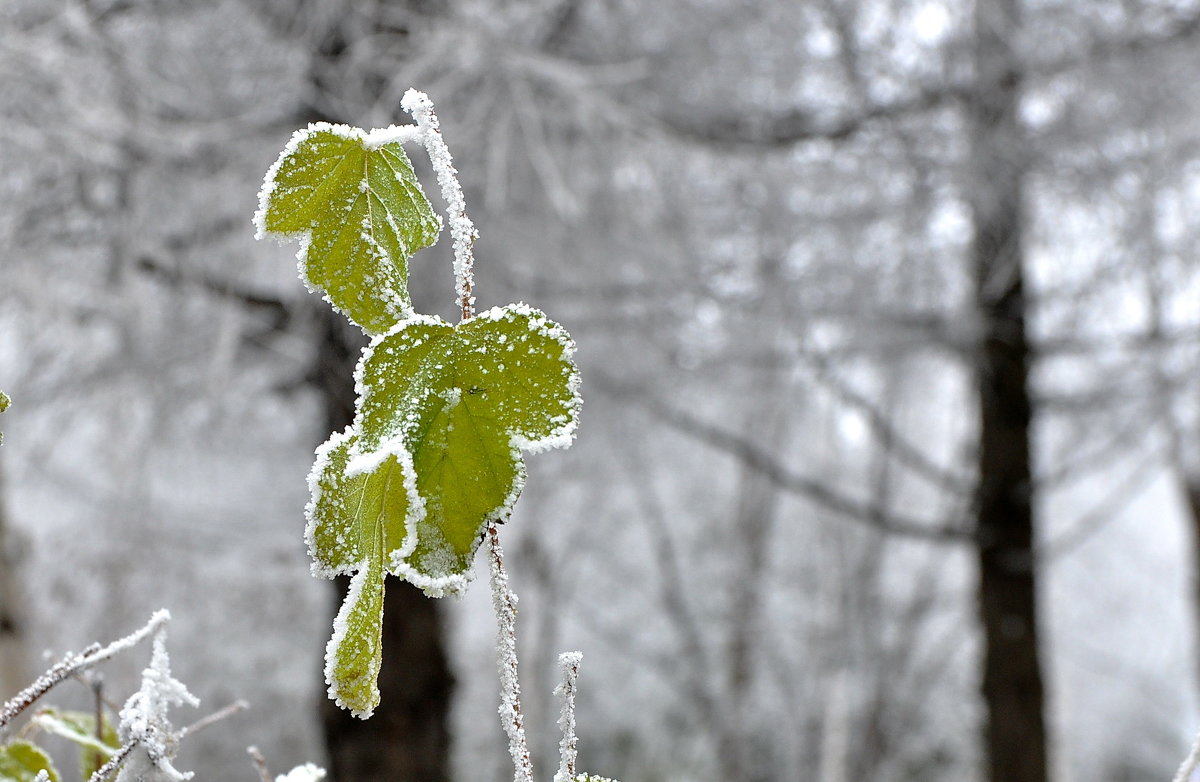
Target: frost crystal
{"type": "Point", "coordinates": [306, 773]}
{"type": "Point", "coordinates": [144, 722]}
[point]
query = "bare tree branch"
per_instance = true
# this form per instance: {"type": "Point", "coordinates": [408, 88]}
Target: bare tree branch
{"type": "Point", "coordinates": [745, 450]}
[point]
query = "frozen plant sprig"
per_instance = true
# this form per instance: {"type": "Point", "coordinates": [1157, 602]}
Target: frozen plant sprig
{"type": "Point", "coordinates": [146, 726]}
{"type": "Point", "coordinates": [505, 604]}
{"type": "Point", "coordinates": [75, 663]}
{"type": "Point", "coordinates": [568, 663]}
{"type": "Point", "coordinates": [462, 230]}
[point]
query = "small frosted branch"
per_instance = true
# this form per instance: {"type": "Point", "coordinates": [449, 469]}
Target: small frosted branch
{"type": "Point", "coordinates": [462, 230]}
{"type": "Point", "coordinates": [1184, 774]}
{"type": "Point", "coordinates": [505, 604]}
{"type": "Point", "coordinates": [260, 763]}
{"type": "Point", "coordinates": [202, 723]}
{"type": "Point", "coordinates": [105, 771]}
{"type": "Point", "coordinates": [74, 664]}
{"type": "Point", "coordinates": [568, 662]}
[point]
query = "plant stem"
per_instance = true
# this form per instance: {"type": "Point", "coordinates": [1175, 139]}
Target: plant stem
{"type": "Point", "coordinates": [462, 230]}
{"type": "Point", "coordinates": [568, 662]}
{"type": "Point", "coordinates": [505, 604]}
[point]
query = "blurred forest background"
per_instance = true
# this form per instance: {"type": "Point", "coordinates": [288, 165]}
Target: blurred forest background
{"type": "Point", "coordinates": [888, 314]}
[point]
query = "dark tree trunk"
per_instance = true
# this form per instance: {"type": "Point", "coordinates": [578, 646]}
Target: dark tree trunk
{"type": "Point", "coordinates": [14, 672]}
{"type": "Point", "coordinates": [1015, 740]}
{"type": "Point", "coordinates": [408, 738]}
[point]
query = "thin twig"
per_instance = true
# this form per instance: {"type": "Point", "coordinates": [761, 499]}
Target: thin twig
{"type": "Point", "coordinates": [568, 662]}
{"type": "Point", "coordinates": [74, 664]}
{"type": "Point", "coordinates": [260, 763]}
{"type": "Point", "coordinates": [462, 230]}
{"type": "Point", "coordinates": [505, 604]}
{"type": "Point", "coordinates": [113, 763]}
{"type": "Point", "coordinates": [216, 716]}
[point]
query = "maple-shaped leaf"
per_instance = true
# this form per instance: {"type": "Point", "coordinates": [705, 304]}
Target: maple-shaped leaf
{"type": "Point", "coordinates": [356, 521]}
{"type": "Point", "coordinates": [464, 401]}
{"type": "Point", "coordinates": [359, 213]}
{"type": "Point", "coordinates": [21, 761]}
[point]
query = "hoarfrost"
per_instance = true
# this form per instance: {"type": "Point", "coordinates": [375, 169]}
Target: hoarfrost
{"type": "Point", "coordinates": [306, 773]}
{"type": "Point", "coordinates": [145, 724]}
{"type": "Point", "coordinates": [462, 230]}
{"type": "Point", "coordinates": [568, 663]}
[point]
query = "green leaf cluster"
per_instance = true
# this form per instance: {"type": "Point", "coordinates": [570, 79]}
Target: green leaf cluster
{"type": "Point", "coordinates": [444, 411]}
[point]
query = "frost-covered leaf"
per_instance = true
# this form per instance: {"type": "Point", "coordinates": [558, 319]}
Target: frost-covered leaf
{"type": "Point", "coordinates": [4, 403]}
{"type": "Point", "coordinates": [356, 521]}
{"type": "Point", "coordinates": [464, 401]}
{"type": "Point", "coordinates": [592, 778]}
{"type": "Point", "coordinates": [359, 213]}
{"type": "Point", "coordinates": [80, 727]}
{"type": "Point", "coordinates": [21, 761]}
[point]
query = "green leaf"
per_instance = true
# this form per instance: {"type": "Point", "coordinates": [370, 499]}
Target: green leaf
{"type": "Point", "coordinates": [464, 401]}
{"type": "Point", "coordinates": [360, 214]}
{"type": "Point", "coordinates": [356, 520]}
{"type": "Point", "coordinates": [21, 761]}
{"type": "Point", "coordinates": [80, 727]}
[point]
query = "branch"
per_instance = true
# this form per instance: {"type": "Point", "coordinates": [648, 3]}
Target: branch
{"type": "Point", "coordinates": [756, 458]}
{"type": "Point", "coordinates": [462, 230]}
{"type": "Point", "coordinates": [786, 128]}
{"type": "Point", "coordinates": [74, 664]}
{"type": "Point", "coordinates": [568, 663]}
{"type": "Point", "coordinates": [113, 763]}
{"type": "Point", "coordinates": [505, 604]}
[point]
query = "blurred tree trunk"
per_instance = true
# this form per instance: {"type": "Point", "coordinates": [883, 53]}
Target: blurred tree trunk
{"type": "Point", "coordinates": [408, 738]}
{"type": "Point", "coordinates": [1015, 741]}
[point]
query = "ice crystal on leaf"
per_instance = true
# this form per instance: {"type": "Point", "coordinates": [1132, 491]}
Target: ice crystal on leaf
{"type": "Point", "coordinates": [356, 522]}
{"type": "Point", "coordinates": [465, 401]}
{"type": "Point", "coordinates": [359, 213]}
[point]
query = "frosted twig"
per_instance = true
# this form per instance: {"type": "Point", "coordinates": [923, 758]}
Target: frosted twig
{"type": "Point", "coordinates": [1189, 765]}
{"type": "Point", "coordinates": [74, 664]}
{"type": "Point", "coordinates": [113, 763]}
{"type": "Point", "coordinates": [260, 763]}
{"type": "Point", "coordinates": [568, 662]}
{"type": "Point", "coordinates": [216, 716]}
{"type": "Point", "coordinates": [505, 604]}
{"type": "Point", "coordinates": [462, 230]}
